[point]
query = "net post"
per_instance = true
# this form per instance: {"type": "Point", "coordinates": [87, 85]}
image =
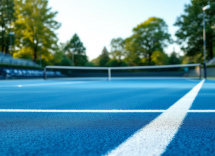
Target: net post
{"type": "Point", "coordinates": [200, 72]}
{"type": "Point", "coordinates": [109, 74]}
{"type": "Point", "coordinates": [205, 70]}
{"type": "Point", "coordinates": [44, 74]}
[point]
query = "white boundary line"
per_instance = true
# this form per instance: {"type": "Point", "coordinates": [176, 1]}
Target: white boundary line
{"type": "Point", "coordinates": [153, 139]}
{"type": "Point", "coordinates": [101, 111]}
{"type": "Point", "coordinates": [80, 111]}
{"type": "Point", "coordinates": [43, 84]}
{"type": "Point", "coordinates": [46, 84]}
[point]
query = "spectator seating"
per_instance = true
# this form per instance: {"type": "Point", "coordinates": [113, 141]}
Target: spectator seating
{"type": "Point", "coordinates": [7, 59]}
{"type": "Point", "coordinates": [8, 73]}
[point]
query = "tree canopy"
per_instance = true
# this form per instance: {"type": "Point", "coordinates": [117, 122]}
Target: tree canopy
{"type": "Point", "coordinates": [148, 37]}
{"type": "Point", "coordinates": [174, 58]}
{"type": "Point", "coordinates": [34, 29]}
{"type": "Point", "coordinates": [104, 57]}
{"type": "Point", "coordinates": [117, 48]}
{"type": "Point", "coordinates": [190, 32]}
{"type": "Point", "coordinates": [34, 25]}
{"type": "Point", "coordinates": [6, 18]}
{"type": "Point", "coordinates": [76, 51]}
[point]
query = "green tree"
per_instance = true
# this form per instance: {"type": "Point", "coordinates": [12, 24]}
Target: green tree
{"type": "Point", "coordinates": [117, 48]}
{"type": "Point", "coordinates": [96, 61]}
{"type": "Point", "coordinates": [149, 36]}
{"type": "Point", "coordinates": [174, 58]}
{"type": "Point", "coordinates": [6, 18]}
{"type": "Point", "coordinates": [76, 51]}
{"type": "Point", "coordinates": [159, 58]}
{"type": "Point", "coordinates": [133, 55]}
{"type": "Point", "coordinates": [116, 63]}
{"type": "Point", "coordinates": [189, 34]}
{"type": "Point", "coordinates": [104, 57]}
{"type": "Point", "coordinates": [59, 58]}
{"type": "Point", "coordinates": [34, 29]}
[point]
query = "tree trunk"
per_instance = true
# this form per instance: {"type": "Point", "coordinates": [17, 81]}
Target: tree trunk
{"type": "Point", "coordinates": [35, 55]}
{"type": "Point", "coordinates": [2, 41]}
{"type": "Point", "coordinates": [149, 59]}
{"type": "Point", "coordinates": [7, 49]}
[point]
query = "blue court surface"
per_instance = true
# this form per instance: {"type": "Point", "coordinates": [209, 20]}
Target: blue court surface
{"type": "Point", "coordinates": [119, 117]}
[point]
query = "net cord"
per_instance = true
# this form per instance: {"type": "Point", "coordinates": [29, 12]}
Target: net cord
{"type": "Point", "coordinates": [133, 67]}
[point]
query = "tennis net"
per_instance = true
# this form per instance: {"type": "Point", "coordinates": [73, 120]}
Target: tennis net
{"type": "Point", "coordinates": [193, 71]}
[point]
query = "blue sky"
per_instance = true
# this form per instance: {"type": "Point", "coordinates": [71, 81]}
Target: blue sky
{"type": "Point", "coordinates": [98, 21]}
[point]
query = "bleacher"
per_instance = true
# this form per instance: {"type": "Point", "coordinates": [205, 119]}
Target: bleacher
{"type": "Point", "coordinates": [7, 59]}
{"type": "Point", "coordinates": [10, 73]}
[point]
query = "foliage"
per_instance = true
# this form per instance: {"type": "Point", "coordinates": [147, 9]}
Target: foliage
{"type": "Point", "coordinates": [76, 51]}
{"type": "Point", "coordinates": [189, 34]}
{"type": "Point", "coordinates": [174, 58]}
{"type": "Point", "coordinates": [25, 53]}
{"type": "Point", "coordinates": [211, 66]}
{"type": "Point", "coordinates": [104, 57]}
{"type": "Point", "coordinates": [116, 63]}
{"type": "Point", "coordinates": [149, 36]}
{"type": "Point", "coordinates": [96, 61]}
{"type": "Point", "coordinates": [90, 64]}
{"type": "Point", "coordinates": [117, 48]}
{"type": "Point", "coordinates": [34, 28]}
{"type": "Point", "coordinates": [60, 59]}
{"type": "Point", "coordinates": [6, 17]}
{"type": "Point", "coordinates": [159, 58]}
{"type": "Point", "coordinates": [192, 59]}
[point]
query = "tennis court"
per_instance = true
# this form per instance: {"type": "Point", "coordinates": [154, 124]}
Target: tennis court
{"type": "Point", "coordinates": [118, 117]}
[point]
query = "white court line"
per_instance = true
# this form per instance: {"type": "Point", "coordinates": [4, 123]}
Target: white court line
{"type": "Point", "coordinates": [80, 111]}
{"type": "Point", "coordinates": [153, 139]}
{"type": "Point", "coordinates": [201, 111]}
{"type": "Point", "coordinates": [101, 111]}
{"type": "Point", "coordinates": [43, 84]}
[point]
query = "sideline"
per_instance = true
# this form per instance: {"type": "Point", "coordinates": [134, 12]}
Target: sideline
{"type": "Point", "coordinates": [153, 139]}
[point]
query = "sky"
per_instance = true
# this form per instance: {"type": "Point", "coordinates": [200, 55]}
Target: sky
{"type": "Point", "coordinates": [97, 22]}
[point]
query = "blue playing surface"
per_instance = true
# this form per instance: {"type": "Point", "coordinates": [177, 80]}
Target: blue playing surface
{"type": "Point", "coordinates": [97, 133]}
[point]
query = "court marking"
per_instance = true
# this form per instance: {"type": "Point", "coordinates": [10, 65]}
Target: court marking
{"type": "Point", "coordinates": [79, 111]}
{"type": "Point", "coordinates": [153, 138]}
{"type": "Point", "coordinates": [43, 84]}
{"type": "Point", "coordinates": [100, 111]}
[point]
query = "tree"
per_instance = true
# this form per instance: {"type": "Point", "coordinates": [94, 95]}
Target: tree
{"type": "Point", "coordinates": [96, 61]}
{"type": "Point", "coordinates": [76, 51]}
{"type": "Point", "coordinates": [174, 58]}
{"type": "Point", "coordinates": [189, 34]}
{"type": "Point", "coordinates": [149, 36]}
{"type": "Point", "coordinates": [34, 28]}
{"type": "Point", "coordinates": [59, 58]}
{"type": "Point", "coordinates": [104, 57]}
{"type": "Point", "coordinates": [117, 48]}
{"type": "Point", "coordinates": [133, 55]}
{"type": "Point", "coordinates": [116, 63]}
{"type": "Point", "coordinates": [159, 58]}
{"type": "Point", "coordinates": [6, 18]}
